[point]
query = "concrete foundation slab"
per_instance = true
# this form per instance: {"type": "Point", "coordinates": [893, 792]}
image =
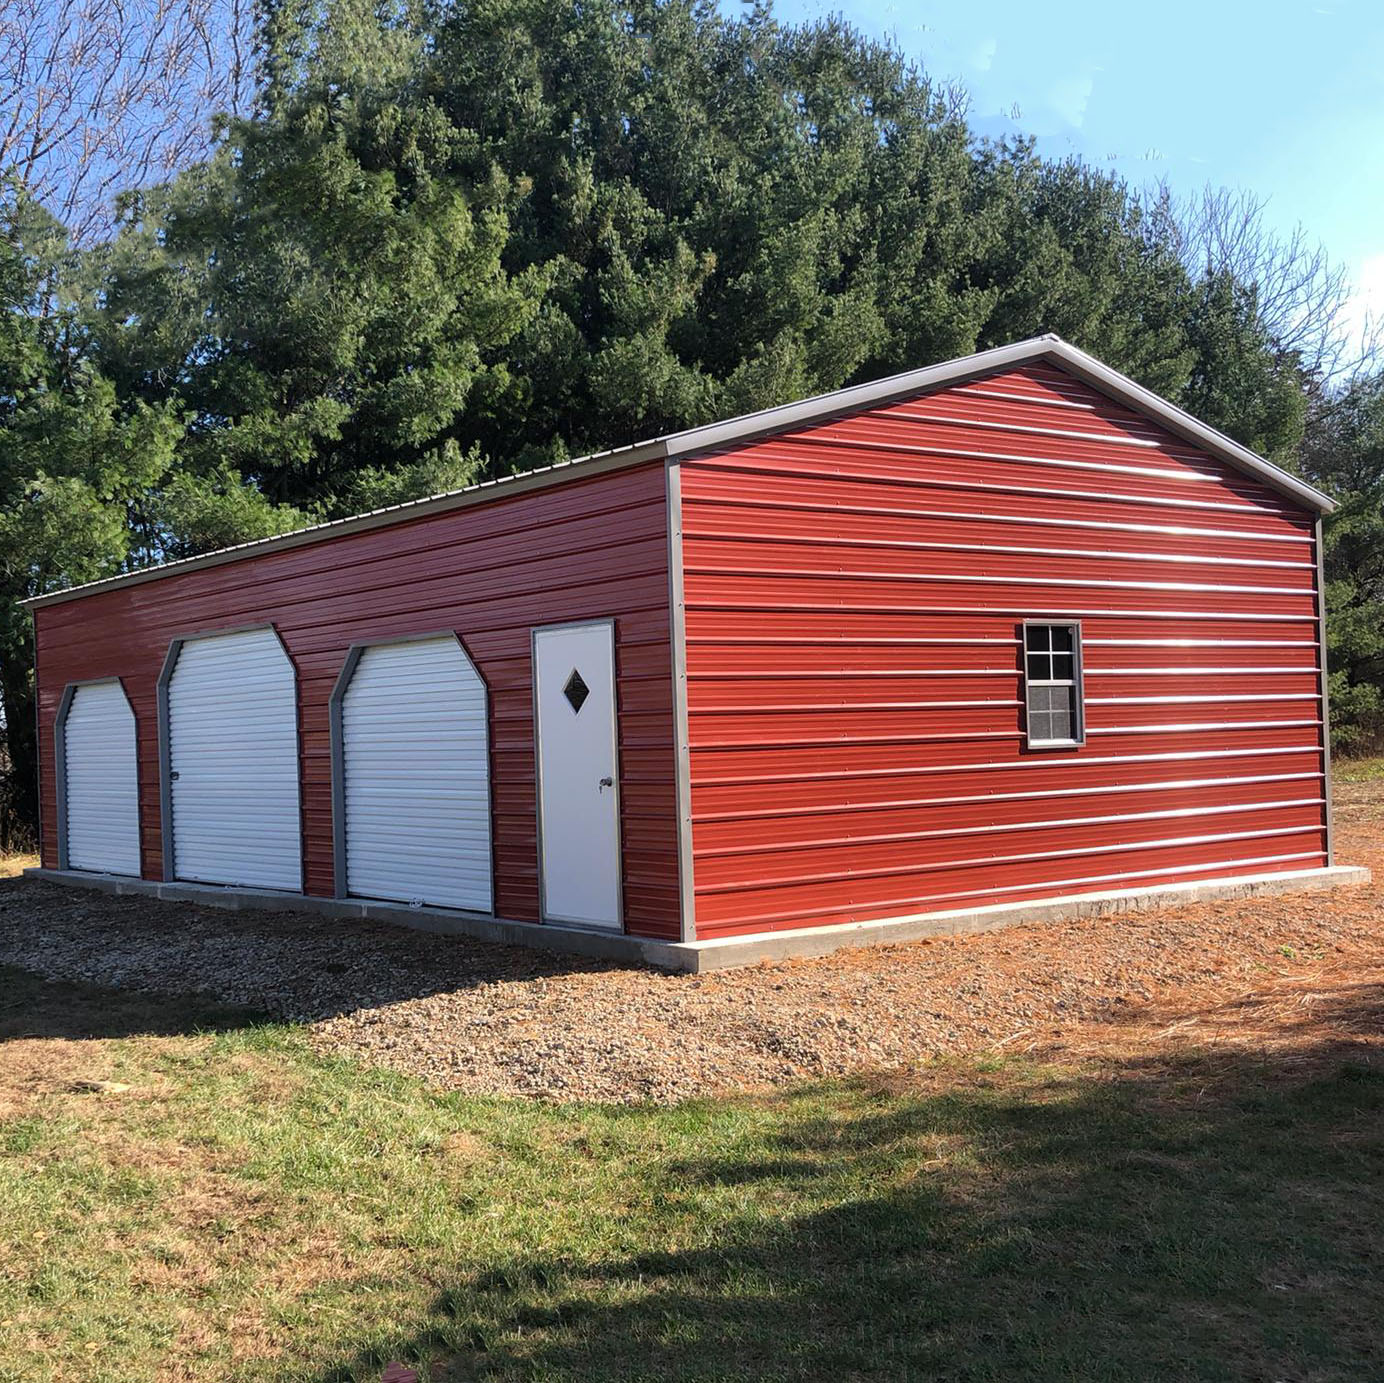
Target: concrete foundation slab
{"type": "Point", "coordinates": [725, 953]}
{"type": "Point", "coordinates": [819, 941]}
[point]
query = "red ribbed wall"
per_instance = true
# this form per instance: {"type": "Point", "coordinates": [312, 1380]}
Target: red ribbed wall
{"type": "Point", "coordinates": [854, 597]}
{"type": "Point", "coordinates": [584, 549]}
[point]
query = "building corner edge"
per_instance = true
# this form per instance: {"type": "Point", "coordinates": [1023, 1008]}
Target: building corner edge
{"type": "Point", "coordinates": [677, 642]}
{"type": "Point", "coordinates": [1324, 676]}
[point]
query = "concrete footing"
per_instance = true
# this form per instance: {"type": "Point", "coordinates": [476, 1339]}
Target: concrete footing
{"type": "Point", "coordinates": [721, 953]}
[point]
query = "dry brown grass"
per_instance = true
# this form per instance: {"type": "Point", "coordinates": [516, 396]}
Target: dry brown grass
{"type": "Point", "coordinates": [11, 866]}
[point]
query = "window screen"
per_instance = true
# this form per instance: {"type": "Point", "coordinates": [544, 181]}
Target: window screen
{"type": "Point", "coordinates": [1052, 683]}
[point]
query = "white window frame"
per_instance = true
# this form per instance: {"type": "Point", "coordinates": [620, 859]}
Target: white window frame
{"type": "Point", "coordinates": [1076, 682]}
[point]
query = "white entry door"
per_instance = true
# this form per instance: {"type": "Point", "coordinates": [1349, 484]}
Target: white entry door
{"type": "Point", "coordinates": [578, 781]}
{"type": "Point", "coordinates": [233, 762]}
{"type": "Point", "coordinates": [101, 787]}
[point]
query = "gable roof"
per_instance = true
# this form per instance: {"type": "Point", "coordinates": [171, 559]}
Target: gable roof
{"type": "Point", "coordinates": [785, 417]}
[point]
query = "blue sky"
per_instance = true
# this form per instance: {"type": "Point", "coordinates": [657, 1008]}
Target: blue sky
{"type": "Point", "coordinates": [1284, 99]}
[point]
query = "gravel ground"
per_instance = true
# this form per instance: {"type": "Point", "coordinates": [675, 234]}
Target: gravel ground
{"type": "Point", "coordinates": [495, 1020]}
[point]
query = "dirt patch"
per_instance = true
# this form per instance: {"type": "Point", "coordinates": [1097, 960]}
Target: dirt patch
{"type": "Point", "coordinates": [35, 1067]}
{"type": "Point", "coordinates": [1270, 972]}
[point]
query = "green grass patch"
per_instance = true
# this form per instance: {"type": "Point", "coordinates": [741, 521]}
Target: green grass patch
{"type": "Point", "coordinates": [248, 1210]}
{"type": "Point", "coordinates": [1357, 770]}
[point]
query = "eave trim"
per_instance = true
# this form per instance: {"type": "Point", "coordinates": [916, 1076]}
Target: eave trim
{"type": "Point", "coordinates": [768, 421]}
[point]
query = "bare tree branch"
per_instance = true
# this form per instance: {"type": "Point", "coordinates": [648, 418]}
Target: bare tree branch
{"type": "Point", "coordinates": [1304, 300]}
{"type": "Point", "coordinates": [99, 95]}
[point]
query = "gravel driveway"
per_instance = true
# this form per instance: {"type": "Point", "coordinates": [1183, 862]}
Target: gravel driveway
{"type": "Point", "coordinates": [489, 1019]}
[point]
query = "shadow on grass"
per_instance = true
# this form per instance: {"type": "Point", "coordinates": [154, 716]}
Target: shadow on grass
{"type": "Point", "coordinates": [31, 1007]}
{"type": "Point", "coordinates": [1211, 1216]}
{"type": "Point", "coordinates": [1333, 1011]}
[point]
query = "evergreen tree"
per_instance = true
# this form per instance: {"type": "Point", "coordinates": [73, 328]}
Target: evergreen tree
{"type": "Point", "coordinates": [75, 466]}
{"type": "Point", "coordinates": [1345, 455]}
{"type": "Point", "coordinates": [460, 239]}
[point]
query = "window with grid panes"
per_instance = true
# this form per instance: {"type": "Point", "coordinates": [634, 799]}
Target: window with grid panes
{"type": "Point", "coordinates": [1052, 684]}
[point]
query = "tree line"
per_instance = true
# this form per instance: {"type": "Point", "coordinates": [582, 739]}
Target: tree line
{"type": "Point", "coordinates": [428, 241]}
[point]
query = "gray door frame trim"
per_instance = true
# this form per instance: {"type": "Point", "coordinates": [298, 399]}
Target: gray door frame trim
{"type": "Point", "coordinates": [338, 749]}
{"type": "Point", "coordinates": [60, 763]}
{"type": "Point", "coordinates": [682, 755]}
{"type": "Point", "coordinates": [608, 622]}
{"type": "Point", "coordinates": [170, 663]}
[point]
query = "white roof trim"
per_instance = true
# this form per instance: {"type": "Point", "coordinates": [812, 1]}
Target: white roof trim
{"type": "Point", "coordinates": [1051, 348]}
{"type": "Point", "coordinates": [712, 436]}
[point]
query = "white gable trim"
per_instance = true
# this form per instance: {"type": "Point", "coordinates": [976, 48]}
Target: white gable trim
{"type": "Point", "coordinates": [1051, 349]}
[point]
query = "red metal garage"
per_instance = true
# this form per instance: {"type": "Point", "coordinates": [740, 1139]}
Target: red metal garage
{"type": "Point", "coordinates": [1001, 630]}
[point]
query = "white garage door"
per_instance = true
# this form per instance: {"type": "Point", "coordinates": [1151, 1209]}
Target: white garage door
{"type": "Point", "coordinates": [233, 761]}
{"type": "Point", "coordinates": [100, 789]}
{"type": "Point", "coordinates": [416, 766]}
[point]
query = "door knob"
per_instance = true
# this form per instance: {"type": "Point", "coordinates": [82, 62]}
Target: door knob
{"type": "Point", "coordinates": [605, 783]}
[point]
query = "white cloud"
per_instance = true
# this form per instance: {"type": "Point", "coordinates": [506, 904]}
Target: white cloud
{"type": "Point", "coordinates": [1367, 302]}
{"type": "Point", "coordinates": [983, 56]}
{"type": "Point", "coordinates": [1070, 96]}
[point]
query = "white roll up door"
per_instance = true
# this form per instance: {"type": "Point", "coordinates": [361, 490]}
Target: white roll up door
{"type": "Point", "coordinates": [101, 782]}
{"type": "Point", "coordinates": [416, 766]}
{"type": "Point", "coordinates": [233, 760]}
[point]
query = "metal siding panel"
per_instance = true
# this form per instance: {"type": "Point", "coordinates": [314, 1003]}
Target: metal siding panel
{"type": "Point", "coordinates": [776, 909]}
{"type": "Point", "coordinates": [565, 546]}
{"type": "Point", "coordinates": [1324, 691]}
{"type": "Point", "coordinates": [957, 629]}
{"type": "Point", "coordinates": [848, 860]}
{"type": "Point", "coordinates": [416, 767]}
{"type": "Point", "coordinates": [1007, 485]}
{"type": "Point", "coordinates": [996, 812]}
{"type": "Point", "coordinates": [854, 593]}
{"type": "Point", "coordinates": [900, 559]}
{"type": "Point", "coordinates": [726, 799]}
{"type": "Point", "coordinates": [102, 789]}
{"type": "Point", "coordinates": [1061, 596]}
{"type": "Point", "coordinates": [961, 530]}
{"type": "Point", "coordinates": [929, 508]}
{"type": "Point", "coordinates": [233, 755]}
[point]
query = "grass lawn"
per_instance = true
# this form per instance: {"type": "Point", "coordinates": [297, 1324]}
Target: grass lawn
{"type": "Point", "coordinates": [245, 1209]}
